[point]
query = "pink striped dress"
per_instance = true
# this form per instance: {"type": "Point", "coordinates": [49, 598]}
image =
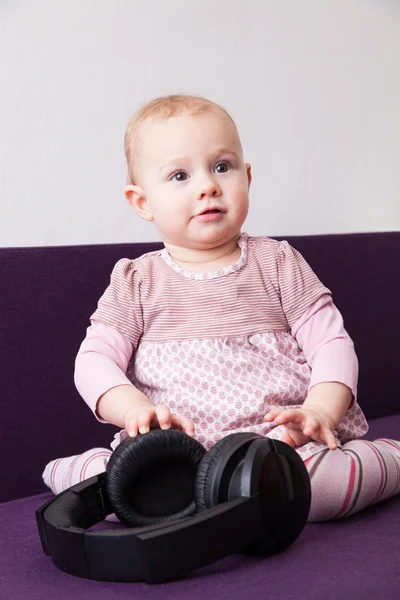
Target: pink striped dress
{"type": "Point", "coordinates": [223, 347]}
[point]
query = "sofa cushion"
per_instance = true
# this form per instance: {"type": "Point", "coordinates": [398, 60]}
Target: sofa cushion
{"type": "Point", "coordinates": [355, 558]}
{"type": "Point", "coordinates": [388, 427]}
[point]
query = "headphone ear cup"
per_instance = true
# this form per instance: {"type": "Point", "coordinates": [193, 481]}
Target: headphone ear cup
{"type": "Point", "coordinates": [150, 479]}
{"type": "Point", "coordinates": [214, 475]}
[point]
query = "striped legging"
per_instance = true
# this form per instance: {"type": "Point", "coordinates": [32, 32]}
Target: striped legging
{"type": "Point", "coordinates": [343, 481]}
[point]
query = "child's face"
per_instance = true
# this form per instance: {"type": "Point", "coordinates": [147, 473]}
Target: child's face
{"type": "Point", "coordinates": [186, 164]}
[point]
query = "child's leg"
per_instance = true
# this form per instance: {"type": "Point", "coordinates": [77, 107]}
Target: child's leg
{"type": "Point", "coordinates": [62, 473]}
{"type": "Point", "coordinates": [344, 481]}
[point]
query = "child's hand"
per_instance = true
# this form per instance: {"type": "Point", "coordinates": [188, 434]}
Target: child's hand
{"type": "Point", "coordinates": [145, 415]}
{"type": "Point", "coordinates": [304, 424]}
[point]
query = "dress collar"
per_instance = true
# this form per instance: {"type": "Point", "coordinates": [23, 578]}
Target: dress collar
{"type": "Point", "coordinates": [242, 243]}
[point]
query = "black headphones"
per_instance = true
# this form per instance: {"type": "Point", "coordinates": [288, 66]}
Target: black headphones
{"type": "Point", "coordinates": [188, 507]}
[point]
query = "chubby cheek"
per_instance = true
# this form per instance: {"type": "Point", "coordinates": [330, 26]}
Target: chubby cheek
{"type": "Point", "coordinates": [240, 200]}
{"type": "Point", "coordinates": [173, 210]}
{"type": "Point", "coordinates": [163, 205]}
{"type": "Point", "coordinates": [170, 218]}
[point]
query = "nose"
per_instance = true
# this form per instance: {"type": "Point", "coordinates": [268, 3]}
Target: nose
{"type": "Point", "coordinates": [209, 188]}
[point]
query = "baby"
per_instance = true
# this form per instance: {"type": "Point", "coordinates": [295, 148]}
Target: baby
{"type": "Point", "coordinates": [221, 332]}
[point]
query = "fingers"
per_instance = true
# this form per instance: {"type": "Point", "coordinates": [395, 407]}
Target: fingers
{"type": "Point", "coordinates": [181, 422]}
{"type": "Point", "coordinates": [270, 416]}
{"type": "Point", "coordinates": [132, 428]}
{"type": "Point", "coordinates": [164, 416]}
{"type": "Point", "coordinates": [320, 433]}
{"type": "Point", "coordinates": [310, 426]}
{"type": "Point", "coordinates": [131, 422]}
{"type": "Point", "coordinates": [141, 421]}
{"type": "Point", "coordinates": [144, 418]}
{"type": "Point", "coordinates": [166, 420]}
{"type": "Point", "coordinates": [152, 415]}
{"type": "Point", "coordinates": [328, 437]}
{"type": "Point", "coordinates": [290, 415]}
{"type": "Point", "coordinates": [287, 439]}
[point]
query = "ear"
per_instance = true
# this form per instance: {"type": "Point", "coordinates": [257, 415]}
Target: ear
{"type": "Point", "coordinates": [248, 170]}
{"type": "Point", "coordinates": [137, 199]}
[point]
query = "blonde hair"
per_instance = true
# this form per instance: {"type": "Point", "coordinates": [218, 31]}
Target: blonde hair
{"type": "Point", "coordinates": [164, 107]}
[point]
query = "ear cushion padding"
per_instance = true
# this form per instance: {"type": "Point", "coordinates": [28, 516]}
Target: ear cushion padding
{"type": "Point", "coordinates": [150, 478]}
{"type": "Point", "coordinates": [221, 451]}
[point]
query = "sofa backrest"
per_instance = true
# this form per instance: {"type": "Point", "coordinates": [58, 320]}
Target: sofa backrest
{"type": "Point", "coordinates": [48, 293]}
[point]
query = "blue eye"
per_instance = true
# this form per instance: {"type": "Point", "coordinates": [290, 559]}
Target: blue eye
{"type": "Point", "coordinates": [177, 176]}
{"type": "Point", "coordinates": [223, 164]}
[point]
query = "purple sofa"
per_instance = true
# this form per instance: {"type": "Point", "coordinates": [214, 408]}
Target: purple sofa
{"type": "Point", "coordinates": [47, 295]}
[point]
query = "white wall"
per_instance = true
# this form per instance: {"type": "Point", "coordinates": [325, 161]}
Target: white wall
{"type": "Point", "coordinates": [314, 87]}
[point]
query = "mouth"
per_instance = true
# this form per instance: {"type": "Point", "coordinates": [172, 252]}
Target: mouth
{"type": "Point", "coordinates": [210, 211]}
{"type": "Point", "coordinates": [213, 214]}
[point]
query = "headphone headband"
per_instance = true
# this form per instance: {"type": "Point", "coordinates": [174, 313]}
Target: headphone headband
{"type": "Point", "coordinates": [140, 554]}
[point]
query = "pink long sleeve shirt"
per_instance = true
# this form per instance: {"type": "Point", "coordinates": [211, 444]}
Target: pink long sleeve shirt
{"type": "Point", "coordinates": [223, 348]}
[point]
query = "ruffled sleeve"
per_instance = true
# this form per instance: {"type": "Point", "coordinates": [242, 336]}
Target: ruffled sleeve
{"type": "Point", "coordinates": [299, 286]}
{"type": "Point", "coordinates": [120, 304]}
